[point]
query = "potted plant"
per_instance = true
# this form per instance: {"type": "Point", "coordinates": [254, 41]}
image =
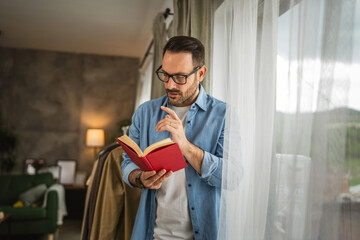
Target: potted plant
{"type": "Point", "coordinates": [8, 142]}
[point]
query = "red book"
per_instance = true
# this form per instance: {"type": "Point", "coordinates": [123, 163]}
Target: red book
{"type": "Point", "coordinates": [164, 154]}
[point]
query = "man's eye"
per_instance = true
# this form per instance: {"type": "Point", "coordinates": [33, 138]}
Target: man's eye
{"type": "Point", "coordinates": [179, 77]}
{"type": "Point", "coordinates": [166, 76]}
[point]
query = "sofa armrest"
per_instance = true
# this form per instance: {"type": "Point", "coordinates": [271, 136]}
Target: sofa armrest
{"type": "Point", "coordinates": [52, 205]}
{"type": "Point", "coordinates": [61, 204]}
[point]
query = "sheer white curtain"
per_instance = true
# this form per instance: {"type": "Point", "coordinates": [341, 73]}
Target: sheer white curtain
{"type": "Point", "coordinates": [284, 80]}
{"type": "Point", "coordinates": [248, 71]}
{"type": "Point", "coordinates": [315, 49]}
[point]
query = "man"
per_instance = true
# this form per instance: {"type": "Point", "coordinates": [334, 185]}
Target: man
{"type": "Point", "coordinates": [184, 204]}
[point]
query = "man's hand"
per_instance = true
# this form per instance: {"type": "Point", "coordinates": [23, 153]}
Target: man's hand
{"type": "Point", "coordinates": [150, 179]}
{"type": "Point", "coordinates": [173, 125]}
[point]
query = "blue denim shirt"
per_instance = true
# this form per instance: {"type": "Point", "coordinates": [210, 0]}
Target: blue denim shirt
{"type": "Point", "coordinates": [204, 128]}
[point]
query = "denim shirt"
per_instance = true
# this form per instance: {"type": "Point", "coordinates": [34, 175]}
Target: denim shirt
{"type": "Point", "coordinates": [204, 128]}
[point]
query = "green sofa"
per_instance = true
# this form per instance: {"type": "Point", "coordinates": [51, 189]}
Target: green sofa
{"type": "Point", "coordinates": [27, 220]}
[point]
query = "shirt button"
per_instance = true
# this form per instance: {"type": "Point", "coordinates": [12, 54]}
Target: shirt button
{"type": "Point", "coordinates": [192, 208]}
{"type": "Point", "coordinates": [189, 185]}
{"type": "Point", "coordinates": [196, 232]}
{"type": "Point", "coordinates": [188, 121]}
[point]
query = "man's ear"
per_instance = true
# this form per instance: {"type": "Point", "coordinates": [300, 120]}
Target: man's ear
{"type": "Point", "coordinates": [202, 72]}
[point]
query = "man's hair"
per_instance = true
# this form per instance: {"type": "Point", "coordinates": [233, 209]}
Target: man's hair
{"type": "Point", "coordinates": [191, 45]}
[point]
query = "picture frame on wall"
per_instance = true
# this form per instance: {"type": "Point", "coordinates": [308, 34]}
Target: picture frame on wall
{"type": "Point", "coordinates": [68, 170]}
{"type": "Point", "coordinates": [80, 179]}
{"type": "Point", "coordinates": [55, 170]}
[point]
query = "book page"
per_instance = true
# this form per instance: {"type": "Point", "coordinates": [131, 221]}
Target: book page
{"type": "Point", "coordinates": [159, 144]}
{"type": "Point", "coordinates": [128, 141]}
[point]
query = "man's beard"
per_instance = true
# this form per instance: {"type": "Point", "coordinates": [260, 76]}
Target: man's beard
{"type": "Point", "coordinates": [186, 97]}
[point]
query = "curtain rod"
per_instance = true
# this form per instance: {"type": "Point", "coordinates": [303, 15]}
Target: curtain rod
{"type": "Point", "coordinates": [147, 53]}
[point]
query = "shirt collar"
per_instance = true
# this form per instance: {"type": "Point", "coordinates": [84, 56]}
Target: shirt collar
{"type": "Point", "coordinates": [200, 100]}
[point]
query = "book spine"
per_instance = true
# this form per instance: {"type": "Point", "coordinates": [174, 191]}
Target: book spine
{"type": "Point", "coordinates": [151, 167]}
{"type": "Point", "coordinates": [141, 162]}
{"type": "Point", "coordinates": [146, 162]}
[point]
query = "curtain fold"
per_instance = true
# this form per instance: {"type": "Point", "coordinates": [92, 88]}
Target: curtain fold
{"type": "Point", "coordinates": [143, 85]}
{"type": "Point", "coordinates": [195, 18]}
{"type": "Point", "coordinates": [286, 84]}
{"type": "Point", "coordinates": [249, 74]}
{"type": "Point", "coordinates": [160, 38]}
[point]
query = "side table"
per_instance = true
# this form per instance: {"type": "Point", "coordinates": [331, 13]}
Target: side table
{"type": "Point", "coordinates": [75, 201]}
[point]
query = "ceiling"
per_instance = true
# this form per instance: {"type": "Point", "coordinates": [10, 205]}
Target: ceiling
{"type": "Point", "coordinates": [107, 27]}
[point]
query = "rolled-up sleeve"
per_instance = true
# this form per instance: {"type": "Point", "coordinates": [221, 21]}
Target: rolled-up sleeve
{"type": "Point", "coordinates": [211, 169]}
{"type": "Point", "coordinates": [127, 165]}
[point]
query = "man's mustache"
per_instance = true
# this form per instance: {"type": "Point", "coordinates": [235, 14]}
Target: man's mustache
{"type": "Point", "coordinates": [172, 91]}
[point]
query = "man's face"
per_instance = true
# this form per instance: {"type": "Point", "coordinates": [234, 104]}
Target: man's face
{"type": "Point", "coordinates": [181, 63]}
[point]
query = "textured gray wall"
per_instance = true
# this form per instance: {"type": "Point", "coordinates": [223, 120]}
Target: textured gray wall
{"type": "Point", "coordinates": [51, 98]}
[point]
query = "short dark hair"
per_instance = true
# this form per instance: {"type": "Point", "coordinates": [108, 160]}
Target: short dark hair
{"type": "Point", "coordinates": [192, 45]}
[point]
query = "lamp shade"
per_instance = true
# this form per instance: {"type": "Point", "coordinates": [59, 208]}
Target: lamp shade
{"type": "Point", "coordinates": [95, 138]}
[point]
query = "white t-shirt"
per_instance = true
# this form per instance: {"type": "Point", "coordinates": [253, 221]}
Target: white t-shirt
{"type": "Point", "coordinates": [172, 219]}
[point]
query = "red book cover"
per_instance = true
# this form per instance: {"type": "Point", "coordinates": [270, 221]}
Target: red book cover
{"type": "Point", "coordinates": [164, 154]}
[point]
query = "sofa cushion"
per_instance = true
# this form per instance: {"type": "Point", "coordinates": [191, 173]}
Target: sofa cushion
{"type": "Point", "coordinates": [33, 195]}
{"type": "Point", "coordinates": [24, 212]}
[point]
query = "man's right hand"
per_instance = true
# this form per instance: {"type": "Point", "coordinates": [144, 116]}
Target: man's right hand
{"type": "Point", "coordinates": [150, 179]}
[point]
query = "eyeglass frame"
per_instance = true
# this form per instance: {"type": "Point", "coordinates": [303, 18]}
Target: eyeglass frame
{"type": "Point", "coordinates": [172, 76]}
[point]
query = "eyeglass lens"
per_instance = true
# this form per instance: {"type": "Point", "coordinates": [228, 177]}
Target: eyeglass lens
{"type": "Point", "coordinates": [177, 78]}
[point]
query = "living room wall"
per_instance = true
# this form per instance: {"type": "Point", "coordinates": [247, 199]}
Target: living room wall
{"type": "Point", "coordinates": [51, 98]}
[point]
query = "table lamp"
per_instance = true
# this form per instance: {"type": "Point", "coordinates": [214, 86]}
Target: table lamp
{"type": "Point", "coordinates": [95, 138]}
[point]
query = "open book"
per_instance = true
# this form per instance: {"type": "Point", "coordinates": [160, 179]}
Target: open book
{"type": "Point", "coordinates": [164, 154]}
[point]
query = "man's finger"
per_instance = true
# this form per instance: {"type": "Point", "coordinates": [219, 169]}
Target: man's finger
{"type": "Point", "coordinates": [148, 174]}
{"type": "Point", "coordinates": [162, 179]}
{"type": "Point", "coordinates": [170, 111]}
{"type": "Point", "coordinates": [151, 179]}
{"type": "Point", "coordinates": [166, 123]}
{"type": "Point", "coordinates": [169, 128]}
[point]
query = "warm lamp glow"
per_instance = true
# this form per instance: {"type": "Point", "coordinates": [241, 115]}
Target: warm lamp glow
{"type": "Point", "coordinates": [95, 138]}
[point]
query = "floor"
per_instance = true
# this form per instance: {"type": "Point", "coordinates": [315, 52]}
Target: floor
{"type": "Point", "coordinates": [70, 230]}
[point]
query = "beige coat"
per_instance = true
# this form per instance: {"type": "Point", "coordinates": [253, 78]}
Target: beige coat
{"type": "Point", "coordinates": [116, 203]}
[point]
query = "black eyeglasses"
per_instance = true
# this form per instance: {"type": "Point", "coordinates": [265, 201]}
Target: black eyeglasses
{"type": "Point", "coordinates": [178, 78]}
